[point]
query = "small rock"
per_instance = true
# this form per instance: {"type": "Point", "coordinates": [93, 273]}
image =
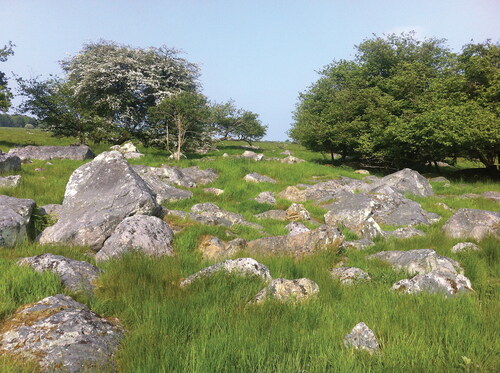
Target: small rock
{"type": "Point", "coordinates": [286, 152]}
{"type": "Point", "coordinates": [241, 266]}
{"type": "Point", "coordinates": [133, 155]}
{"type": "Point", "coordinates": [349, 275]}
{"type": "Point", "coordinates": [405, 232]}
{"type": "Point", "coordinates": [212, 247]}
{"type": "Point", "coordinates": [39, 169]}
{"type": "Point", "coordinates": [288, 290]}
{"type": "Point", "coordinates": [362, 338]}
{"type": "Point", "coordinates": [266, 197]}
{"type": "Point", "coordinates": [10, 181]}
{"type": "Point", "coordinates": [362, 244]}
{"type": "Point", "coordinates": [439, 179]}
{"type": "Point", "coordinates": [225, 155]}
{"type": "Point", "coordinates": [444, 206]}
{"type": "Point", "coordinates": [293, 194]}
{"type": "Point", "coordinates": [272, 214]}
{"type": "Point", "coordinates": [295, 228]}
{"type": "Point", "coordinates": [362, 172]}
{"type": "Point", "coordinates": [215, 191]}
{"type": "Point", "coordinates": [252, 155]}
{"type": "Point", "coordinates": [254, 177]}
{"type": "Point", "coordinates": [127, 147]}
{"type": "Point", "coordinates": [435, 281]}
{"type": "Point", "coordinates": [493, 196]}
{"type": "Point", "coordinates": [292, 160]}
{"type": "Point", "coordinates": [465, 246]}
{"type": "Point", "coordinates": [297, 212]}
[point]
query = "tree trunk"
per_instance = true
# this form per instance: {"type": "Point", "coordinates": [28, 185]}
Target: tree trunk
{"type": "Point", "coordinates": [177, 154]}
{"type": "Point", "coordinates": [333, 156]}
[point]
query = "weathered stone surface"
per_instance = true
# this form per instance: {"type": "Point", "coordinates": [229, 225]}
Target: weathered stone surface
{"type": "Point", "coordinates": [186, 177]}
{"type": "Point", "coordinates": [79, 152]}
{"type": "Point", "coordinates": [362, 172]}
{"type": "Point", "coordinates": [61, 334]}
{"type": "Point", "coordinates": [212, 247]}
{"type": "Point", "coordinates": [15, 217]}
{"type": "Point", "coordinates": [164, 191]}
{"type": "Point", "coordinates": [418, 261]}
{"type": "Point", "coordinates": [465, 246]}
{"type": "Point", "coordinates": [211, 214]}
{"type": "Point", "coordinates": [133, 155]}
{"type": "Point", "coordinates": [99, 195]}
{"type": "Point", "coordinates": [362, 244]}
{"type": "Point", "coordinates": [266, 197]}
{"type": "Point", "coordinates": [435, 281]}
{"type": "Point", "coordinates": [10, 181]}
{"type": "Point", "coordinates": [285, 290]}
{"type": "Point", "coordinates": [444, 206]}
{"type": "Point", "coordinates": [200, 177]}
{"type": "Point", "coordinates": [407, 181]}
{"type": "Point", "coordinates": [52, 209]}
{"type": "Point", "coordinates": [493, 196]}
{"type": "Point", "coordinates": [362, 338]}
{"type": "Point", "coordinates": [252, 155]}
{"type": "Point", "coordinates": [146, 234]}
{"type": "Point", "coordinates": [295, 228]}
{"type": "Point", "coordinates": [215, 191]}
{"type": "Point", "coordinates": [9, 162]}
{"type": "Point", "coordinates": [241, 266]}
{"type": "Point", "coordinates": [297, 212]}
{"type": "Point", "coordinates": [322, 238]}
{"type": "Point", "coordinates": [272, 214]}
{"type": "Point", "coordinates": [291, 160]}
{"type": "Point", "coordinates": [471, 223]}
{"type": "Point", "coordinates": [405, 232]}
{"type": "Point", "coordinates": [254, 177]}
{"type": "Point", "coordinates": [76, 275]}
{"type": "Point", "coordinates": [349, 275]}
{"type": "Point", "coordinates": [127, 147]}
{"type": "Point", "coordinates": [293, 194]}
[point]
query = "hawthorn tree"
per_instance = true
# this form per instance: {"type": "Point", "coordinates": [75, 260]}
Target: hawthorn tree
{"type": "Point", "coordinates": [5, 93]}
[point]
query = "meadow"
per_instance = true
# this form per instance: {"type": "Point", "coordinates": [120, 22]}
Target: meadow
{"type": "Point", "coordinates": [210, 327]}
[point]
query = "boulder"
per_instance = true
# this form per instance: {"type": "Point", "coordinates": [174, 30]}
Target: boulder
{"type": "Point", "coordinates": [75, 275]}
{"type": "Point", "coordinates": [435, 281]}
{"type": "Point", "coordinates": [61, 334]}
{"type": "Point", "coordinates": [215, 191]}
{"type": "Point", "coordinates": [200, 177]}
{"type": "Point", "coordinates": [471, 223]}
{"type": "Point", "coordinates": [407, 181]}
{"type": "Point", "coordinates": [164, 191]}
{"type": "Point", "coordinates": [241, 266]}
{"type": "Point", "coordinates": [349, 275]}
{"type": "Point", "coordinates": [77, 152]}
{"type": "Point", "coordinates": [465, 246]}
{"type": "Point", "coordinates": [212, 247]}
{"type": "Point", "coordinates": [284, 290]}
{"type": "Point", "coordinates": [9, 162]}
{"type": "Point", "coordinates": [99, 195]}
{"type": "Point", "coordinates": [248, 154]}
{"type": "Point", "coordinates": [127, 147]}
{"type": "Point", "coordinates": [141, 233]}
{"type": "Point", "coordinates": [211, 214]}
{"type": "Point", "coordinates": [10, 181]}
{"type": "Point", "coordinates": [15, 218]}
{"type": "Point", "coordinates": [291, 160]}
{"type": "Point", "coordinates": [322, 238]}
{"type": "Point", "coordinates": [418, 261]}
{"type": "Point", "coordinates": [362, 337]}
{"type": "Point", "coordinates": [272, 214]}
{"type": "Point", "coordinates": [295, 228]}
{"type": "Point", "coordinates": [254, 177]}
{"type": "Point", "coordinates": [405, 232]}
{"type": "Point", "coordinates": [293, 194]}
{"type": "Point", "coordinates": [297, 212]}
{"type": "Point", "coordinates": [266, 197]}
{"type": "Point", "coordinates": [362, 244]}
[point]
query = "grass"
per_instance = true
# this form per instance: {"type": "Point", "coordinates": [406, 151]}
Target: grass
{"type": "Point", "coordinates": [210, 327]}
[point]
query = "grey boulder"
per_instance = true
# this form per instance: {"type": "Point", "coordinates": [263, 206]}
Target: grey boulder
{"type": "Point", "coordinates": [465, 246]}
{"type": "Point", "coordinates": [471, 223]}
{"type": "Point", "coordinates": [407, 181]}
{"type": "Point", "coordinates": [362, 337]}
{"type": "Point", "coordinates": [10, 181]}
{"type": "Point", "coordinates": [349, 275]}
{"type": "Point", "coordinates": [436, 281]}
{"type": "Point", "coordinates": [266, 197]}
{"type": "Point", "coordinates": [295, 228]}
{"type": "Point", "coordinates": [284, 290]}
{"type": "Point", "coordinates": [254, 177]}
{"type": "Point", "coordinates": [80, 152]}
{"type": "Point", "coordinates": [9, 162]}
{"type": "Point", "coordinates": [164, 191]}
{"type": "Point", "coordinates": [211, 214]}
{"type": "Point", "coordinates": [15, 218]}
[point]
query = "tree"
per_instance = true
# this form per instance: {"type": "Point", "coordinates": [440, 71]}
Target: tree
{"type": "Point", "coordinates": [5, 93]}
{"type": "Point", "coordinates": [178, 122]}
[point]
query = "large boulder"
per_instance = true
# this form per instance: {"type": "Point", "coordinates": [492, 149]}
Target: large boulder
{"type": "Point", "coordinates": [407, 181]}
{"type": "Point", "coordinates": [322, 238]}
{"type": "Point", "coordinates": [418, 261]}
{"type": "Point", "coordinates": [99, 195]}
{"type": "Point", "coordinates": [9, 162]}
{"type": "Point", "coordinates": [471, 223]}
{"type": "Point", "coordinates": [140, 233]}
{"type": "Point", "coordinates": [362, 337]}
{"type": "Point", "coordinates": [242, 266]}
{"type": "Point", "coordinates": [75, 275]}
{"type": "Point", "coordinates": [15, 217]}
{"type": "Point", "coordinates": [436, 281]}
{"type": "Point", "coordinates": [61, 334]}
{"type": "Point", "coordinates": [285, 290]}
{"type": "Point", "coordinates": [77, 152]}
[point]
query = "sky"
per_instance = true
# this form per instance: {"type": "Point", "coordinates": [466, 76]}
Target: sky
{"type": "Point", "coordinates": [259, 53]}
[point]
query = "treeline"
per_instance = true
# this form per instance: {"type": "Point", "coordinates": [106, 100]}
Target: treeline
{"type": "Point", "coordinates": [403, 102]}
{"type": "Point", "coordinates": [7, 120]}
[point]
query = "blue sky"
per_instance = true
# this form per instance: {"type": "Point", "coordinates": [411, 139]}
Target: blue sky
{"type": "Point", "coordinates": [259, 53]}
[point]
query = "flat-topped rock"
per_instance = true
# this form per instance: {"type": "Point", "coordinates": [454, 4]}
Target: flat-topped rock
{"type": "Point", "coordinates": [77, 152]}
{"type": "Point", "coordinates": [284, 290]}
{"type": "Point", "coordinates": [61, 334]}
{"type": "Point", "coordinates": [254, 177]}
{"type": "Point", "coordinates": [471, 223]}
{"type": "Point", "coordinates": [77, 276]}
{"type": "Point", "coordinates": [15, 218]}
{"type": "Point", "coordinates": [436, 281]}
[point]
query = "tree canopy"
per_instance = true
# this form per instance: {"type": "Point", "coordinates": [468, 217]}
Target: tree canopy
{"type": "Point", "coordinates": [5, 93]}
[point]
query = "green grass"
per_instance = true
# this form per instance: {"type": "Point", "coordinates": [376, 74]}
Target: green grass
{"type": "Point", "coordinates": [210, 327]}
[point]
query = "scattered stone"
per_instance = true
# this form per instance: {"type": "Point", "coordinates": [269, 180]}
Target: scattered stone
{"type": "Point", "coordinates": [146, 234]}
{"type": "Point", "coordinates": [10, 181]}
{"type": "Point", "coordinates": [444, 206]}
{"type": "Point", "coordinates": [297, 212]}
{"type": "Point", "coordinates": [61, 334]}
{"type": "Point", "coordinates": [75, 275]}
{"type": "Point", "coordinates": [254, 177]}
{"type": "Point", "coordinates": [407, 181]}
{"type": "Point", "coordinates": [362, 172]}
{"type": "Point", "coordinates": [99, 195]}
{"type": "Point", "coordinates": [295, 228]}
{"type": "Point", "coordinates": [15, 217]}
{"type": "Point", "coordinates": [266, 197]}
{"type": "Point", "coordinates": [53, 210]}
{"type": "Point", "coordinates": [405, 232]}
{"type": "Point", "coordinates": [185, 177]}
{"type": "Point", "coordinates": [362, 244]}
{"type": "Point", "coordinates": [9, 162]}
{"type": "Point", "coordinates": [292, 160]}
{"type": "Point", "coordinates": [164, 191]}
{"type": "Point", "coordinates": [286, 152]}
{"type": "Point", "coordinates": [225, 155]}
{"type": "Point", "coordinates": [322, 238]}
{"type": "Point", "coordinates": [215, 191]}
{"type": "Point", "coordinates": [471, 223]}
{"type": "Point", "coordinates": [241, 266]}
{"type": "Point", "coordinates": [46, 153]}
{"type": "Point", "coordinates": [272, 214]}
{"type": "Point", "coordinates": [439, 179]}
{"type": "Point", "coordinates": [418, 261]}
{"type": "Point", "coordinates": [465, 246]}
{"type": "Point", "coordinates": [49, 163]}
{"type": "Point", "coordinates": [39, 169]}
{"type": "Point", "coordinates": [493, 196]}
{"type": "Point", "coordinates": [127, 147]}
{"type": "Point", "coordinates": [293, 194]}
{"type": "Point", "coordinates": [252, 155]}
{"type": "Point", "coordinates": [200, 177]}
{"type": "Point", "coordinates": [212, 247]}
{"type": "Point", "coordinates": [133, 155]}
{"type": "Point", "coordinates": [362, 338]}
{"type": "Point", "coordinates": [349, 275]}
{"type": "Point", "coordinates": [284, 290]}
{"type": "Point", "coordinates": [435, 281]}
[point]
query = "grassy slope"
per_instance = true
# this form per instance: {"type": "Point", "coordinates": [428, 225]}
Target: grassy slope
{"type": "Point", "coordinates": [210, 328]}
